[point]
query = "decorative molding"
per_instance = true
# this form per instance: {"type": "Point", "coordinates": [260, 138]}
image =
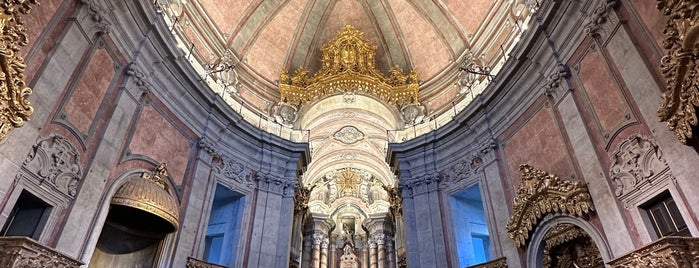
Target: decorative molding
{"type": "Point", "coordinates": [235, 171]}
{"type": "Point", "coordinates": [541, 193]}
{"type": "Point", "coordinates": [276, 184]}
{"type": "Point", "coordinates": [637, 162]}
{"type": "Point", "coordinates": [13, 87]}
{"type": "Point", "coordinates": [421, 185]}
{"type": "Point", "coordinates": [196, 263]}
{"type": "Point", "coordinates": [55, 161]}
{"type": "Point", "coordinates": [140, 78]}
{"type": "Point", "coordinates": [679, 67]}
{"type": "Point", "coordinates": [208, 146]}
{"type": "Point", "coordinates": [98, 15]}
{"type": "Point", "coordinates": [552, 85]}
{"type": "Point", "coordinates": [25, 252]}
{"type": "Point", "coordinates": [667, 252]}
{"type": "Point", "coordinates": [349, 135]}
{"type": "Point", "coordinates": [497, 263]}
{"type": "Point", "coordinates": [602, 21]}
{"type": "Point", "coordinates": [302, 196]}
{"type": "Point", "coordinates": [349, 66]}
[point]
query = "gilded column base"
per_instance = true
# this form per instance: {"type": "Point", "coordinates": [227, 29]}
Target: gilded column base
{"type": "Point", "coordinates": [22, 251]}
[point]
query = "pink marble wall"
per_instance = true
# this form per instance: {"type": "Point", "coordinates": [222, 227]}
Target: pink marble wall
{"type": "Point", "coordinates": [608, 103]}
{"type": "Point", "coordinates": [89, 92]}
{"type": "Point", "coordinates": [157, 138]}
{"type": "Point", "coordinates": [651, 17]}
{"type": "Point", "coordinates": [538, 143]}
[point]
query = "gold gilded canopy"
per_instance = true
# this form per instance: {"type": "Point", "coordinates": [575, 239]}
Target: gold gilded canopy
{"type": "Point", "coordinates": [149, 193]}
{"type": "Point", "coordinates": [348, 66]}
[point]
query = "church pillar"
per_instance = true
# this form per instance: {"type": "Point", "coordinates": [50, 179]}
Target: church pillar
{"type": "Point", "coordinates": [324, 252]}
{"type": "Point", "coordinates": [381, 250]}
{"type": "Point", "coordinates": [317, 240]}
{"type": "Point", "coordinates": [372, 253]}
{"type": "Point", "coordinates": [307, 255]}
{"type": "Point", "coordinates": [391, 252]}
{"type": "Point", "coordinates": [365, 254]}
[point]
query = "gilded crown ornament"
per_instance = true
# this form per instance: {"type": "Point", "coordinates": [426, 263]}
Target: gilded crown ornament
{"type": "Point", "coordinates": [348, 66]}
{"type": "Point", "coordinates": [13, 87]}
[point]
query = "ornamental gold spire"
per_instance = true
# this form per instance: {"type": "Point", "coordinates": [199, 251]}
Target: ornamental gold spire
{"type": "Point", "coordinates": [348, 66]}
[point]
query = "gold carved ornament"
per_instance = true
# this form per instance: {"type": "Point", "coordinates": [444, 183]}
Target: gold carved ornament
{"type": "Point", "coordinates": [14, 107]}
{"type": "Point", "coordinates": [541, 193]}
{"type": "Point", "coordinates": [679, 66]}
{"type": "Point", "coordinates": [348, 181]}
{"type": "Point", "coordinates": [348, 66]}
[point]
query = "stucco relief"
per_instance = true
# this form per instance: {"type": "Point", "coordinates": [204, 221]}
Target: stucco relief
{"type": "Point", "coordinates": [636, 160]}
{"type": "Point", "coordinates": [348, 135]}
{"type": "Point", "coordinates": [235, 171]}
{"type": "Point", "coordinates": [54, 160]}
{"type": "Point", "coordinates": [352, 183]}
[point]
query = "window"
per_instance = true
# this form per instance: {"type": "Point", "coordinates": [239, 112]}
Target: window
{"type": "Point", "coordinates": [28, 217]}
{"type": "Point", "coordinates": [470, 228]}
{"type": "Point", "coordinates": [221, 241]}
{"type": "Point", "coordinates": [664, 216]}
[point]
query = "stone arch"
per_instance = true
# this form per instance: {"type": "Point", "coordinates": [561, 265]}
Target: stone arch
{"type": "Point", "coordinates": [535, 249]}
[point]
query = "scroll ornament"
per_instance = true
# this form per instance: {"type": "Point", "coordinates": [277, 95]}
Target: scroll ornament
{"type": "Point", "coordinates": [541, 193]}
{"type": "Point", "coordinates": [679, 66]}
{"type": "Point", "coordinates": [15, 109]}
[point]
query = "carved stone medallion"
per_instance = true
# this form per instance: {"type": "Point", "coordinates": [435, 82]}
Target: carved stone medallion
{"type": "Point", "coordinates": [348, 135]}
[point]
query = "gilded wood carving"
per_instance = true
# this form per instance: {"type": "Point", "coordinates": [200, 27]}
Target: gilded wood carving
{"type": "Point", "coordinates": [13, 89]}
{"type": "Point", "coordinates": [541, 193]}
{"type": "Point", "coordinates": [349, 67]}
{"type": "Point", "coordinates": [679, 66]}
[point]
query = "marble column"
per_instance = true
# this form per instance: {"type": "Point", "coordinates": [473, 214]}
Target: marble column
{"type": "Point", "coordinates": [324, 252]}
{"type": "Point", "coordinates": [317, 240]}
{"type": "Point", "coordinates": [365, 256]}
{"type": "Point", "coordinates": [391, 252]}
{"type": "Point", "coordinates": [307, 255]}
{"type": "Point", "coordinates": [372, 253]}
{"type": "Point", "coordinates": [380, 240]}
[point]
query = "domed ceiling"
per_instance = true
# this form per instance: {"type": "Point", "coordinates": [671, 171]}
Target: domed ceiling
{"type": "Point", "coordinates": [262, 38]}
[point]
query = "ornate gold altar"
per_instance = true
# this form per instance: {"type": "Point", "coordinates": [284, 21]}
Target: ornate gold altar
{"type": "Point", "coordinates": [348, 66]}
{"type": "Point", "coordinates": [13, 88]}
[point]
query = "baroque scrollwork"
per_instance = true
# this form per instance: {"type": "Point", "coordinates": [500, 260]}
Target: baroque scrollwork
{"type": "Point", "coordinates": [349, 66]}
{"type": "Point", "coordinates": [542, 193]}
{"type": "Point", "coordinates": [13, 87]}
{"type": "Point", "coordinates": [601, 21]}
{"type": "Point", "coordinates": [55, 161]}
{"type": "Point", "coordinates": [679, 67]}
{"type": "Point", "coordinates": [235, 171]}
{"type": "Point", "coordinates": [636, 161]}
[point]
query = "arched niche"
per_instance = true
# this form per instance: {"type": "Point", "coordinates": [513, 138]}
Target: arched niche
{"type": "Point", "coordinates": [535, 249]}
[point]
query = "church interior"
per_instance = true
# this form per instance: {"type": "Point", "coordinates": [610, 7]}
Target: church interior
{"type": "Point", "coordinates": [349, 133]}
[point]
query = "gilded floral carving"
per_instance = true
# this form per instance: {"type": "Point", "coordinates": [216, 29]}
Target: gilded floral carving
{"type": "Point", "coordinates": [25, 252]}
{"type": "Point", "coordinates": [541, 193]}
{"type": "Point", "coordinates": [14, 91]}
{"type": "Point", "coordinates": [679, 67]}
